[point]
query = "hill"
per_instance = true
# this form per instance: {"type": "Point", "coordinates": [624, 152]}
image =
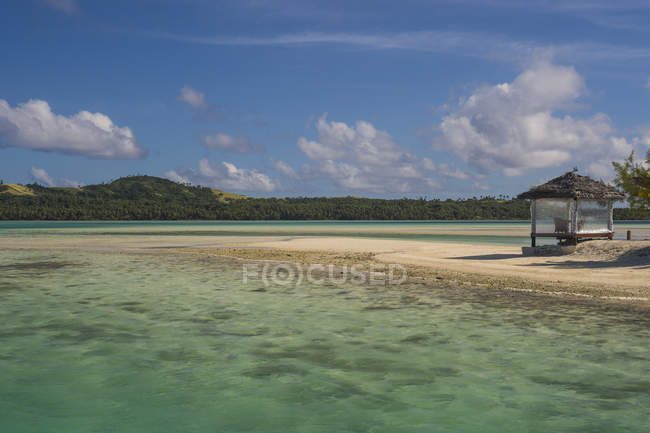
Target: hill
{"type": "Point", "coordinates": [154, 198]}
{"type": "Point", "coordinates": [133, 197]}
{"type": "Point", "coordinates": [15, 189]}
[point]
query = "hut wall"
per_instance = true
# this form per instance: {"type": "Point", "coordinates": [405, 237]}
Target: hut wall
{"type": "Point", "coordinates": [552, 215]}
{"type": "Point", "coordinates": [592, 216]}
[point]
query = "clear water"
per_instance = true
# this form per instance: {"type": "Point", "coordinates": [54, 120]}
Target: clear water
{"type": "Point", "coordinates": [99, 342]}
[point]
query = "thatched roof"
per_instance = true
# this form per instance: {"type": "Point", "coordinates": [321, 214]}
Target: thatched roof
{"type": "Point", "coordinates": [572, 185]}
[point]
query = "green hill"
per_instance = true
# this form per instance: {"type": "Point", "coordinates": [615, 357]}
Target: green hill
{"type": "Point", "coordinates": [152, 188]}
{"type": "Point", "coordinates": [133, 197]}
{"type": "Point", "coordinates": [154, 198]}
{"type": "Point", "coordinates": [14, 189]}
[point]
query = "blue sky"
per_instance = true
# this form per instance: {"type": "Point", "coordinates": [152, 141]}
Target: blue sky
{"type": "Point", "coordinates": [287, 98]}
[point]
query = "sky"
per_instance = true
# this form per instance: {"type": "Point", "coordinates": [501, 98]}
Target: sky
{"type": "Point", "coordinates": [410, 98]}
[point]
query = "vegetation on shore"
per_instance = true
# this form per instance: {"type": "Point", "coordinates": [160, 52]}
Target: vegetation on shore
{"type": "Point", "coordinates": [633, 178]}
{"type": "Point", "coordinates": [153, 198]}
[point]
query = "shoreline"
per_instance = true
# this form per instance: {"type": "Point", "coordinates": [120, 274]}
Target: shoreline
{"type": "Point", "coordinates": [605, 285]}
{"type": "Point", "coordinates": [599, 271]}
{"type": "Point", "coordinates": [549, 295]}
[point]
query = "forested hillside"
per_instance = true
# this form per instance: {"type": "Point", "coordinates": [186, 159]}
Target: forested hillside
{"type": "Point", "coordinates": [152, 198]}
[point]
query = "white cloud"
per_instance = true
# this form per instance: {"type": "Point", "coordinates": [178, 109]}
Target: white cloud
{"type": "Point", "coordinates": [452, 171]}
{"type": "Point", "coordinates": [223, 141]}
{"type": "Point", "coordinates": [192, 97]}
{"type": "Point", "coordinates": [361, 142]}
{"type": "Point", "coordinates": [428, 164]}
{"type": "Point", "coordinates": [197, 102]}
{"type": "Point", "coordinates": [175, 177]}
{"type": "Point", "coordinates": [285, 169]}
{"type": "Point", "coordinates": [513, 127]}
{"type": "Point", "coordinates": [644, 137]}
{"type": "Point", "coordinates": [33, 125]}
{"type": "Point", "coordinates": [70, 7]}
{"type": "Point", "coordinates": [360, 157]}
{"type": "Point", "coordinates": [471, 44]}
{"type": "Point", "coordinates": [225, 176]}
{"type": "Point", "coordinates": [600, 170]}
{"type": "Point", "coordinates": [41, 176]}
{"type": "Point", "coordinates": [647, 85]}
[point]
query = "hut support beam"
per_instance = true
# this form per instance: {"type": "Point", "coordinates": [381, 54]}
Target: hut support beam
{"type": "Point", "coordinates": [610, 223]}
{"type": "Point", "coordinates": [573, 215]}
{"type": "Point", "coordinates": [533, 222]}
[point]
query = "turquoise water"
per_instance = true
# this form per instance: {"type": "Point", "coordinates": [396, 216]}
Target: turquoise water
{"type": "Point", "coordinates": [98, 342]}
{"type": "Point", "coordinates": [498, 232]}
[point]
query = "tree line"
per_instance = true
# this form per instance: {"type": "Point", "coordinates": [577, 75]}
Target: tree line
{"type": "Point", "coordinates": [152, 198]}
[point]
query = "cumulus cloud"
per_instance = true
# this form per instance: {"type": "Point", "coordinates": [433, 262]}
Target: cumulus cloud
{"type": "Point", "coordinates": [225, 176]}
{"type": "Point", "coordinates": [197, 102]}
{"type": "Point", "coordinates": [223, 141]}
{"type": "Point", "coordinates": [33, 125]}
{"type": "Point", "coordinates": [40, 176]}
{"type": "Point", "coordinates": [192, 97]}
{"type": "Point", "coordinates": [360, 157]}
{"type": "Point", "coordinates": [644, 137]}
{"type": "Point", "coordinates": [514, 127]}
{"type": "Point", "coordinates": [284, 168]}
{"type": "Point", "coordinates": [175, 177]}
{"type": "Point", "coordinates": [70, 7]}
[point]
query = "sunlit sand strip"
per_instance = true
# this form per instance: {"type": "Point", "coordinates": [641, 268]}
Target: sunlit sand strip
{"type": "Point", "coordinates": [490, 266]}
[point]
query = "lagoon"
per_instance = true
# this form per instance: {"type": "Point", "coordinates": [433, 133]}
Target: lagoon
{"type": "Point", "coordinates": [108, 342]}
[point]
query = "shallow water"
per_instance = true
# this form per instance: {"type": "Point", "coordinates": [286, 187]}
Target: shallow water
{"type": "Point", "coordinates": [98, 342]}
{"type": "Point", "coordinates": [491, 232]}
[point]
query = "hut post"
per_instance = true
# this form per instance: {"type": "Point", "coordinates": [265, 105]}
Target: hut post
{"type": "Point", "coordinates": [573, 215]}
{"type": "Point", "coordinates": [610, 222]}
{"type": "Point", "coordinates": [533, 222]}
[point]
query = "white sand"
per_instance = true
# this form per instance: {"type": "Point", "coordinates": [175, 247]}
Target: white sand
{"type": "Point", "coordinates": [492, 260]}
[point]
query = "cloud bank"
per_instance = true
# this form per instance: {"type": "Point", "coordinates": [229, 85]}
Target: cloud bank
{"type": "Point", "coordinates": [33, 125]}
{"type": "Point", "coordinates": [514, 127]}
{"type": "Point", "coordinates": [225, 176]}
{"type": "Point", "coordinates": [360, 157]}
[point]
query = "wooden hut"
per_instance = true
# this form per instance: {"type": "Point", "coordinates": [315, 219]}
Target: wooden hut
{"type": "Point", "coordinates": [571, 207]}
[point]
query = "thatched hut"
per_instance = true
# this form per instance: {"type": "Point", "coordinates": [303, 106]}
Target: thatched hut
{"type": "Point", "coordinates": [571, 207]}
